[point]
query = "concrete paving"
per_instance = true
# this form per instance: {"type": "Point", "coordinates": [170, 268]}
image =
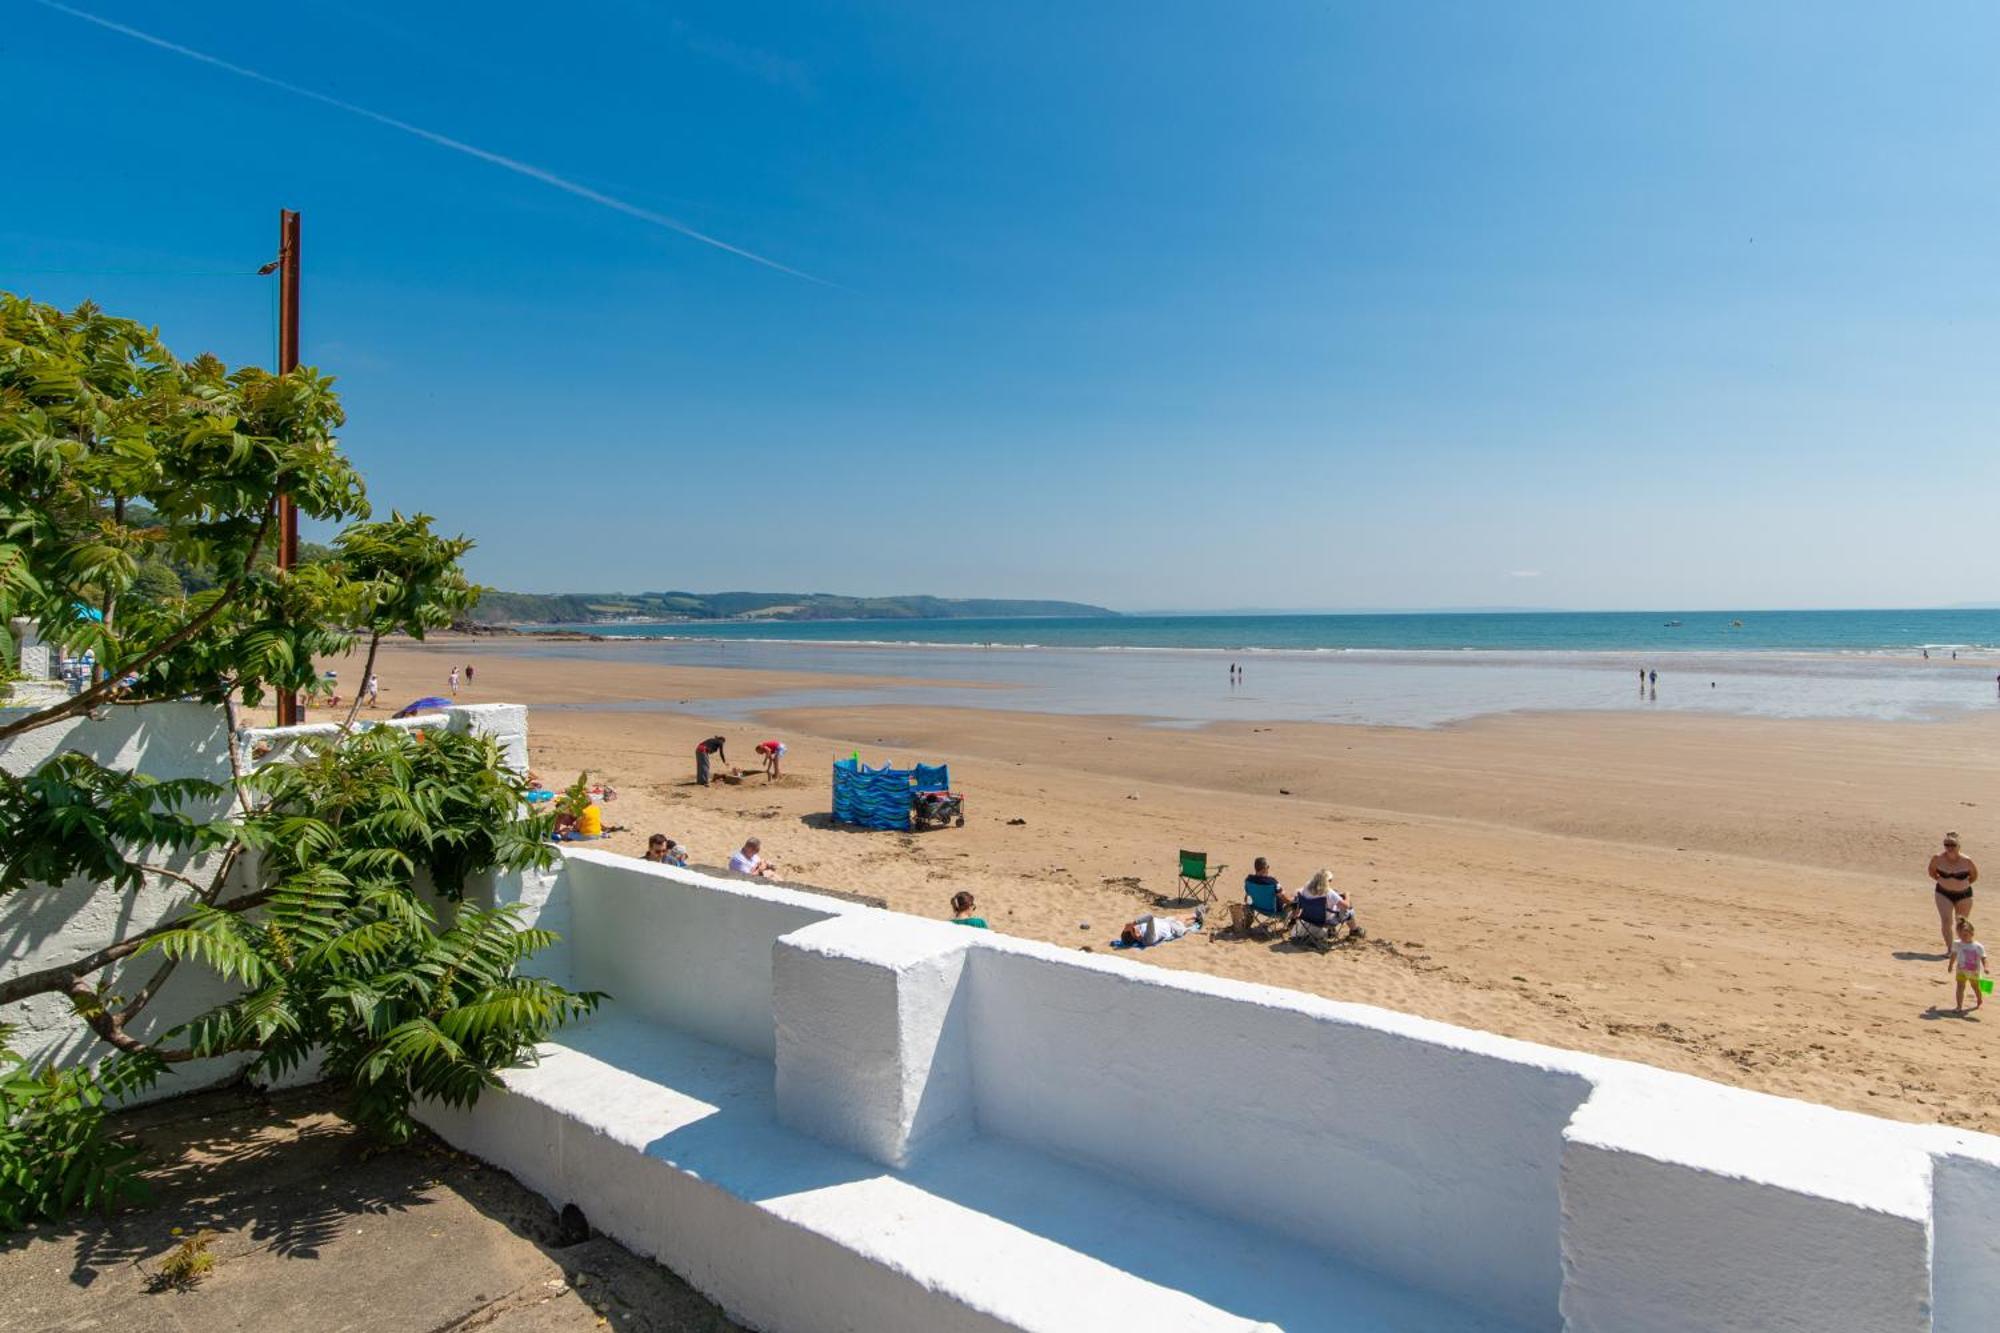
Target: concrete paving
{"type": "Point", "coordinates": [319, 1229]}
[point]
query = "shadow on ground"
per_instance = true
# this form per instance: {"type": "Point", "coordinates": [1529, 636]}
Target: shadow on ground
{"type": "Point", "coordinates": [318, 1227]}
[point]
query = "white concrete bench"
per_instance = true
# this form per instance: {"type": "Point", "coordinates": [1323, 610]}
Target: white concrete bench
{"type": "Point", "coordinates": [836, 1117]}
{"type": "Point", "coordinates": [673, 1145]}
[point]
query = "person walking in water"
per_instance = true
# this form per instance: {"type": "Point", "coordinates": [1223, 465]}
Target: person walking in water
{"type": "Point", "coordinates": [1952, 874]}
{"type": "Point", "coordinates": [1653, 679]}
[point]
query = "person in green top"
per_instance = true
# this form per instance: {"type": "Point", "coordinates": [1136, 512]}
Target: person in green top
{"type": "Point", "coordinates": [961, 911]}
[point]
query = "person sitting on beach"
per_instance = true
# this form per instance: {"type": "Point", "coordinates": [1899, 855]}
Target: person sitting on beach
{"type": "Point", "coordinates": [1321, 907]}
{"type": "Point", "coordinates": [1968, 961]}
{"type": "Point", "coordinates": [750, 861]}
{"type": "Point", "coordinates": [962, 907]}
{"type": "Point", "coordinates": [665, 851]}
{"type": "Point", "coordinates": [1150, 929]}
{"type": "Point", "coordinates": [1259, 883]}
{"type": "Point", "coordinates": [712, 746]}
{"type": "Point", "coordinates": [771, 752]}
{"type": "Point", "coordinates": [590, 821]}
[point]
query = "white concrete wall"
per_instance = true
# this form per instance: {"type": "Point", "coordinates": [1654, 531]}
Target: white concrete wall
{"type": "Point", "coordinates": [1390, 1139]}
{"type": "Point", "coordinates": [41, 926]}
{"type": "Point", "coordinates": [680, 947]}
{"type": "Point", "coordinates": [1554, 1188]}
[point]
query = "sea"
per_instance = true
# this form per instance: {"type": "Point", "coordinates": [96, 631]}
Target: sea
{"type": "Point", "coordinates": [1409, 670]}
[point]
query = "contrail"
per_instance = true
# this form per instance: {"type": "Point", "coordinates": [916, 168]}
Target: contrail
{"type": "Point", "coordinates": [442, 141]}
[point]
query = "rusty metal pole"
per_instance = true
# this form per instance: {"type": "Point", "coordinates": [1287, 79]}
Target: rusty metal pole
{"type": "Point", "coordinates": [288, 360]}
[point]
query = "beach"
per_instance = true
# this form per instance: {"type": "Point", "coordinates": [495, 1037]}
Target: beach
{"type": "Point", "coordinates": [1739, 897]}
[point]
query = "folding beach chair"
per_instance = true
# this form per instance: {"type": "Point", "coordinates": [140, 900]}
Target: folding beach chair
{"type": "Point", "coordinates": [1197, 879]}
{"type": "Point", "coordinates": [1320, 925]}
{"type": "Point", "coordinates": [1260, 905]}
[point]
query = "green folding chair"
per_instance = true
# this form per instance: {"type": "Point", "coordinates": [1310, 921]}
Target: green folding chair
{"type": "Point", "coordinates": [1198, 876]}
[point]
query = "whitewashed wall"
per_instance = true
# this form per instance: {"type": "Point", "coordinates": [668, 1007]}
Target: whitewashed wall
{"type": "Point", "coordinates": [1556, 1188]}
{"type": "Point", "coordinates": [42, 926]}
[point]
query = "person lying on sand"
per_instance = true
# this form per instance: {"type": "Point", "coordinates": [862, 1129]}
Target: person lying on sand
{"type": "Point", "coordinates": [750, 861]}
{"type": "Point", "coordinates": [1149, 930]}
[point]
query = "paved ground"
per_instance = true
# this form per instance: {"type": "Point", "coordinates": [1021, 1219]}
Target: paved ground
{"type": "Point", "coordinates": [318, 1230]}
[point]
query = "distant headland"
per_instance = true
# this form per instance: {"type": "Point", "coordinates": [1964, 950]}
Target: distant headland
{"type": "Point", "coordinates": [592, 608]}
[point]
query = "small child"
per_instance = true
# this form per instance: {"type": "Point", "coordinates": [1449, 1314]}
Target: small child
{"type": "Point", "coordinates": [1968, 960]}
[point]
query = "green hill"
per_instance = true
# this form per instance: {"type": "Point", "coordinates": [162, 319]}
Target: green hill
{"type": "Point", "coordinates": [584, 608]}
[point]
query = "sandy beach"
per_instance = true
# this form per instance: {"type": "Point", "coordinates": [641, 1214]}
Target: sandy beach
{"type": "Point", "coordinates": [1740, 898]}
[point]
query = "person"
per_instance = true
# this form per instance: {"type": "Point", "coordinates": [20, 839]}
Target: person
{"type": "Point", "coordinates": [1953, 874]}
{"type": "Point", "coordinates": [1653, 679]}
{"type": "Point", "coordinates": [712, 746]}
{"type": "Point", "coordinates": [590, 821]}
{"type": "Point", "coordinates": [1149, 930]}
{"type": "Point", "coordinates": [1261, 882]}
{"type": "Point", "coordinates": [1642, 680]}
{"type": "Point", "coordinates": [750, 861]}
{"type": "Point", "coordinates": [1996, 684]}
{"type": "Point", "coordinates": [468, 675]}
{"type": "Point", "coordinates": [374, 688]}
{"type": "Point", "coordinates": [1927, 654]}
{"type": "Point", "coordinates": [962, 907]}
{"type": "Point", "coordinates": [1968, 961]}
{"type": "Point", "coordinates": [664, 850]}
{"type": "Point", "coordinates": [454, 682]}
{"type": "Point", "coordinates": [1323, 907]}
{"type": "Point", "coordinates": [771, 752]}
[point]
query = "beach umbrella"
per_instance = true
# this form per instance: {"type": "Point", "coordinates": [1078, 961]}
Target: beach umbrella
{"type": "Point", "coordinates": [430, 703]}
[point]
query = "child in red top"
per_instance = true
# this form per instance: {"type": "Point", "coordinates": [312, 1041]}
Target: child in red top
{"type": "Point", "coordinates": [771, 752]}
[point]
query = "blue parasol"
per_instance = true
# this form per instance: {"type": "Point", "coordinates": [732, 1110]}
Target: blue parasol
{"type": "Point", "coordinates": [430, 703]}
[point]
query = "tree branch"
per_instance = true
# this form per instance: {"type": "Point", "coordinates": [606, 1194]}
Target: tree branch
{"type": "Point", "coordinates": [207, 898]}
{"type": "Point", "coordinates": [233, 720]}
{"type": "Point", "coordinates": [367, 674]}
{"type": "Point", "coordinates": [165, 873]}
{"type": "Point", "coordinates": [110, 1027]}
{"type": "Point", "coordinates": [65, 975]}
{"type": "Point", "coordinates": [108, 689]}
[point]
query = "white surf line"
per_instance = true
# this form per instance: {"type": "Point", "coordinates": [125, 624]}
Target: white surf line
{"type": "Point", "coordinates": [519, 168]}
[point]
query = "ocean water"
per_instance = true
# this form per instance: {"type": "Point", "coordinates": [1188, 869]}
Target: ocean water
{"type": "Point", "coordinates": [1413, 671]}
{"type": "Point", "coordinates": [1526, 631]}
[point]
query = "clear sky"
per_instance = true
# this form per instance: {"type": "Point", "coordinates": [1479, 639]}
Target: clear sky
{"type": "Point", "coordinates": [1151, 304]}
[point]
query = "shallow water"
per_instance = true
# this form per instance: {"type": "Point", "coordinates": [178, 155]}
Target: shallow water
{"type": "Point", "coordinates": [1180, 687]}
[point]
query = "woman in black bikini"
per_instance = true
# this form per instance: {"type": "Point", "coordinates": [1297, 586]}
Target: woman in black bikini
{"type": "Point", "coordinates": [1954, 875]}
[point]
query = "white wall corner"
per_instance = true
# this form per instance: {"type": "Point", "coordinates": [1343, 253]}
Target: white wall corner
{"type": "Point", "coordinates": [1687, 1205]}
{"type": "Point", "coordinates": [1965, 1236]}
{"type": "Point", "coordinates": [873, 1046]}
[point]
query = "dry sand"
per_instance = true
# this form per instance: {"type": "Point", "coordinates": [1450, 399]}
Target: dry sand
{"type": "Point", "coordinates": [1742, 899]}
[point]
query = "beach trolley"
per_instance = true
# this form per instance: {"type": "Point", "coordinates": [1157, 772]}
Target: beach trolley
{"type": "Point", "coordinates": [894, 798]}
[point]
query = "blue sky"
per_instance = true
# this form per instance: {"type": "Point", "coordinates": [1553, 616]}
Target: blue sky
{"type": "Point", "coordinates": [1278, 304]}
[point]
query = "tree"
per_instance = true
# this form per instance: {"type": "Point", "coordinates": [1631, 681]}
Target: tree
{"type": "Point", "coordinates": [138, 497]}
